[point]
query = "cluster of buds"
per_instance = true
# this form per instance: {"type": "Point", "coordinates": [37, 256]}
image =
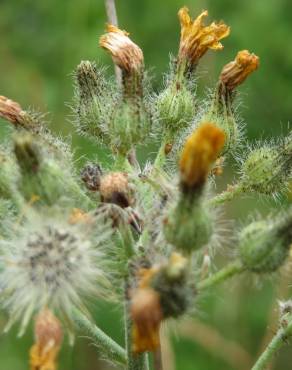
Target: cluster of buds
{"type": "Point", "coordinates": [162, 292]}
{"type": "Point", "coordinates": [189, 225]}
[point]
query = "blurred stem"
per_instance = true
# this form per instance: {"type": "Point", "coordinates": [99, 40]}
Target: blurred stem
{"type": "Point", "coordinates": [226, 195]}
{"type": "Point", "coordinates": [107, 345]}
{"type": "Point", "coordinates": [225, 273]}
{"type": "Point", "coordinates": [122, 163]}
{"type": "Point", "coordinates": [112, 17]}
{"type": "Point", "coordinates": [276, 343]}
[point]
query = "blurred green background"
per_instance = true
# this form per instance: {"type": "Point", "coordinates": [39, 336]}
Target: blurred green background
{"type": "Point", "coordinates": [42, 41]}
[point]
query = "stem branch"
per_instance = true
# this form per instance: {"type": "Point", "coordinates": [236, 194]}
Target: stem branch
{"type": "Point", "coordinates": [225, 273]}
{"type": "Point", "coordinates": [226, 195]}
{"type": "Point", "coordinates": [276, 343]}
{"type": "Point", "coordinates": [108, 346]}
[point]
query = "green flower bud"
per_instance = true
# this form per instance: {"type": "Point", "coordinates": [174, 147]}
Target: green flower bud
{"type": "Point", "coordinates": [91, 97]}
{"type": "Point", "coordinates": [267, 170]}
{"type": "Point", "coordinates": [264, 245]}
{"type": "Point", "coordinates": [42, 178]}
{"type": "Point", "coordinates": [189, 225]}
{"type": "Point", "coordinates": [175, 108]}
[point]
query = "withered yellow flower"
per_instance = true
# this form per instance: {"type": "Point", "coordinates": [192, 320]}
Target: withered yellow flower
{"type": "Point", "coordinates": [196, 38]}
{"type": "Point", "coordinates": [10, 110]}
{"type": "Point", "coordinates": [126, 54]}
{"type": "Point", "coordinates": [235, 72]}
{"type": "Point", "coordinates": [147, 315]}
{"type": "Point", "coordinates": [48, 340]}
{"type": "Point", "coordinates": [200, 151]}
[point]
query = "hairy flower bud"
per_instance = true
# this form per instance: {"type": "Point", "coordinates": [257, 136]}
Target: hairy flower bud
{"type": "Point", "coordinates": [264, 245]}
{"type": "Point", "coordinates": [200, 151]}
{"type": "Point", "coordinates": [130, 121]}
{"type": "Point", "coordinates": [48, 337]}
{"type": "Point", "coordinates": [235, 72]}
{"type": "Point", "coordinates": [92, 97]}
{"type": "Point", "coordinates": [268, 169]}
{"type": "Point", "coordinates": [175, 108]}
{"type": "Point", "coordinates": [196, 38]}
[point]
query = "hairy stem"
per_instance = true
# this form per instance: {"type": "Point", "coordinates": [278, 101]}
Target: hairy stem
{"type": "Point", "coordinates": [225, 273]}
{"type": "Point", "coordinates": [161, 155]}
{"type": "Point", "coordinates": [226, 195]}
{"type": "Point", "coordinates": [107, 345]}
{"type": "Point", "coordinates": [276, 343]}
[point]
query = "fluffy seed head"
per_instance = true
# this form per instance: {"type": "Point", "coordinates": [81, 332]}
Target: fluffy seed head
{"type": "Point", "coordinates": [200, 151]}
{"type": "Point", "coordinates": [50, 263]}
{"type": "Point", "coordinates": [235, 72]}
{"type": "Point", "coordinates": [196, 38]}
{"type": "Point", "coordinates": [126, 54]}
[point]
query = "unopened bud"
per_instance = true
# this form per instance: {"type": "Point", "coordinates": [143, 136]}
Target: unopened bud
{"type": "Point", "coordinates": [264, 245]}
{"type": "Point", "coordinates": [267, 170]}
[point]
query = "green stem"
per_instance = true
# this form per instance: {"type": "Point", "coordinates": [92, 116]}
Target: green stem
{"type": "Point", "coordinates": [108, 346]}
{"type": "Point", "coordinates": [161, 156]}
{"type": "Point", "coordinates": [227, 272]}
{"type": "Point", "coordinates": [227, 195]}
{"type": "Point", "coordinates": [122, 164]}
{"type": "Point", "coordinates": [276, 343]}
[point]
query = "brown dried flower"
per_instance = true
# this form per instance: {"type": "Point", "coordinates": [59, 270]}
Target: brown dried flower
{"type": "Point", "coordinates": [235, 72]}
{"type": "Point", "coordinates": [196, 38]}
{"type": "Point", "coordinates": [126, 54]}
{"type": "Point", "coordinates": [48, 340]}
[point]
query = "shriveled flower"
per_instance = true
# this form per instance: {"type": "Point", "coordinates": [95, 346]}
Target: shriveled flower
{"type": "Point", "coordinates": [200, 151]}
{"type": "Point", "coordinates": [235, 72]}
{"type": "Point", "coordinates": [146, 313]}
{"type": "Point", "coordinates": [51, 263]}
{"type": "Point", "coordinates": [48, 340]}
{"type": "Point", "coordinates": [196, 38]}
{"type": "Point", "coordinates": [11, 111]}
{"type": "Point", "coordinates": [126, 54]}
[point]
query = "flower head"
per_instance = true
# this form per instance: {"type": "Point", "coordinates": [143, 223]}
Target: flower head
{"type": "Point", "coordinates": [200, 151]}
{"type": "Point", "coordinates": [196, 38]}
{"type": "Point", "coordinates": [50, 263]}
{"type": "Point", "coordinates": [126, 54]}
{"type": "Point", "coordinates": [235, 72]}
